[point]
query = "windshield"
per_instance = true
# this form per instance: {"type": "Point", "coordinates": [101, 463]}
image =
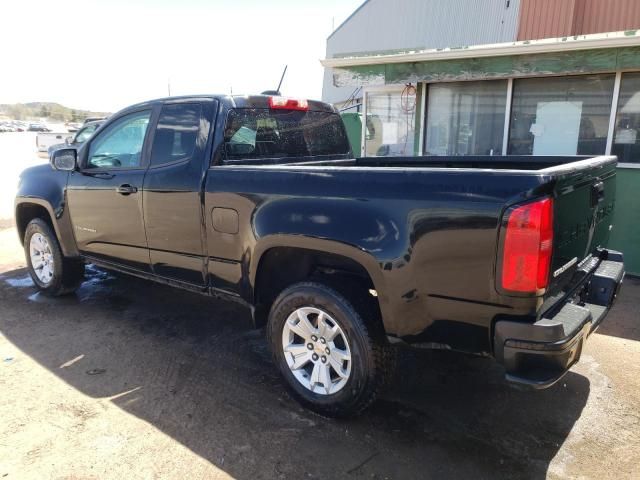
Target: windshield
{"type": "Point", "coordinates": [252, 133]}
{"type": "Point", "coordinates": [85, 133]}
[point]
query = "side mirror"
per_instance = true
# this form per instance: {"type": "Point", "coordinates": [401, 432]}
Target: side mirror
{"type": "Point", "coordinates": [64, 159]}
{"type": "Point", "coordinates": [68, 140]}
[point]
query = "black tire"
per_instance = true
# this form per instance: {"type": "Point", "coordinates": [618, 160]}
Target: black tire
{"type": "Point", "coordinates": [68, 273]}
{"type": "Point", "coordinates": [369, 351]}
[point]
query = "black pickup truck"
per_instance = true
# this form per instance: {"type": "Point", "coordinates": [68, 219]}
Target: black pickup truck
{"type": "Point", "coordinates": [258, 199]}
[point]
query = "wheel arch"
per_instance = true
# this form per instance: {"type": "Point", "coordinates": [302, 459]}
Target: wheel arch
{"type": "Point", "coordinates": [28, 208]}
{"type": "Point", "coordinates": [303, 258]}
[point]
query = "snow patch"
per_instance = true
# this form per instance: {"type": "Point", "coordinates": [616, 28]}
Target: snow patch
{"type": "Point", "coordinates": [20, 282]}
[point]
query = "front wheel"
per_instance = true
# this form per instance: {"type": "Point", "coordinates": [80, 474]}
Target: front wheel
{"type": "Point", "coordinates": [52, 273]}
{"type": "Point", "coordinates": [330, 357]}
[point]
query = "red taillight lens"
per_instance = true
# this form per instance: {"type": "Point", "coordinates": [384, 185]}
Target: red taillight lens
{"type": "Point", "coordinates": [528, 245]}
{"type": "Point", "coordinates": [284, 103]}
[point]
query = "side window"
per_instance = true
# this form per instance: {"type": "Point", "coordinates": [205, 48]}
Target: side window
{"type": "Point", "coordinates": [177, 133]}
{"type": "Point", "coordinates": [120, 145]}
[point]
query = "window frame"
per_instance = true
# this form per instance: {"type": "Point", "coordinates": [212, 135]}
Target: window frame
{"type": "Point", "coordinates": [508, 109]}
{"type": "Point", "coordinates": [425, 112]}
{"type": "Point", "coordinates": [376, 89]}
{"type": "Point", "coordinates": [571, 75]}
{"type": "Point", "coordinates": [614, 115]}
{"type": "Point", "coordinates": [146, 146]}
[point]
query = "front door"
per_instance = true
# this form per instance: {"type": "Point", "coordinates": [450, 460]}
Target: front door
{"type": "Point", "coordinates": [105, 195]}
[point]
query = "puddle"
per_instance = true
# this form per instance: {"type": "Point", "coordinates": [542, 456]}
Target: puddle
{"type": "Point", "coordinates": [38, 297]}
{"type": "Point", "coordinates": [95, 283]}
{"type": "Point", "coordinates": [20, 282]}
{"type": "Point", "coordinates": [94, 275]}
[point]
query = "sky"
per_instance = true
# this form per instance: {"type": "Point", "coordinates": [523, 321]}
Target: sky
{"type": "Point", "coordinates": [103, 55]}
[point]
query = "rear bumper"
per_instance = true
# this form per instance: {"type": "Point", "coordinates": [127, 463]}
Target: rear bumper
{"type": "Point", "coordinates": [538, 355]}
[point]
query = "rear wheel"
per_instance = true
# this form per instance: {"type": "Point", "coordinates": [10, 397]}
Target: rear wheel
{"type": "Point", "coordinates": [332, 360]}
{"type": "Point", "coordinates": [52, 273]}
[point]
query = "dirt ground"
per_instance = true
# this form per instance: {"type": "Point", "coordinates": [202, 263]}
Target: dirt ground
{"type": "Point", "coordinates": [128, 379]}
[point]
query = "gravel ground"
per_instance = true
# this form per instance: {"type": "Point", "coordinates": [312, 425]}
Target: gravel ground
{"type": "Point", "coordinates": [129, 379]}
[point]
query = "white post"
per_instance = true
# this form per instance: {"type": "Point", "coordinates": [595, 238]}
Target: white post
{"type": "Point", "coordinates": [614, 112]}
{"type": "Point", "coordinates": [423, 118]}
{"type": "Point", "coordinates": [364, 124]}
{"type": "Point", "coordinates": [507, 117]}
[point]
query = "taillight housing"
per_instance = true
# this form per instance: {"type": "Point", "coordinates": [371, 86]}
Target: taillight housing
{"type": "Point", "coordinates": [285, 103]}
{"type": "Point", "coordinates": [527, 247]}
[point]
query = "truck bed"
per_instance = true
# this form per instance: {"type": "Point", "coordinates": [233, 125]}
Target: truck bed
{"type": "Point", "coordinates": [508, 162]}
{"type": "Point", "coordinates": [432, 223]}
{"type": "Point", "coordinates": [476, 162]}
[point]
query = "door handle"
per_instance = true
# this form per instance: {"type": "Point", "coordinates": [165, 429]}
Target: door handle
{"type": "Point", "coordinates": [126, 189]}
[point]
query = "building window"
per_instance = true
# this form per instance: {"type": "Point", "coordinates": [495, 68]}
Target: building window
{"type": "Point", "coordinates": [561, 115]}
{"type": "Point", "coordinates": [390, 124]}
{"type": "Point", "coordinates": [626, 139]}
{"type": "Point", "coordinates": [466, 118]}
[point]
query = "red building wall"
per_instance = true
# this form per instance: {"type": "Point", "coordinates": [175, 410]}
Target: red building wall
{"type": "Point", "coordinates": [560, 18]}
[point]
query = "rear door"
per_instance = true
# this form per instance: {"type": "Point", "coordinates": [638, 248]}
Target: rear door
{"type": "Point", "coordinates": [173, 190]}
{"type": "Point", "coordinates": [105, 195]}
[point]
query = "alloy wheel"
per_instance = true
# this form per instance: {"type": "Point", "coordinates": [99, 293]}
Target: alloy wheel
{"type": "Point", "coordinates": [316, 350]}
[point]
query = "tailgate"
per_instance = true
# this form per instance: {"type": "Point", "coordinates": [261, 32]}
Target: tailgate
{"type": "Point", "coordinates": [584, 203]}
{"type": "Point", "coordinates": [48, 139]}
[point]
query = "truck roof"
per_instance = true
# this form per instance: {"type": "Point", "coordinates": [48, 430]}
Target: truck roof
{"type": "Point", "coordinates": [233, 101]}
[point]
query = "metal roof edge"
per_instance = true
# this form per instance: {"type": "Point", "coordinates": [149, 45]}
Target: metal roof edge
{"type": "Point", "coordinates": [346, 20]}
{"type": "Point", "coordinates": [546, 45]}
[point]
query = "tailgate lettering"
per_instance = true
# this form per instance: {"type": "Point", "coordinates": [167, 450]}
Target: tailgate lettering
{"type": "Point", "coordinates": [565, 267]}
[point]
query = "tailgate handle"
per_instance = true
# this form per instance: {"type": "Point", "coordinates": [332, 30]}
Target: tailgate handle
{"type": "Point", "coordinates": [597, 193]}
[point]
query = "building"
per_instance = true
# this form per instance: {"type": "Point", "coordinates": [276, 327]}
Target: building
{"type": "Point", "coordinates": [496, 77]}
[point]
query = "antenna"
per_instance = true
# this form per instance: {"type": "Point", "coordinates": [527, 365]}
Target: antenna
{"type": "Point", "coordinates": [169, 86]}
{"type": "Point", "coordinates": [281, 79]}
{"type": "Point", "coordinates": [276, 92]}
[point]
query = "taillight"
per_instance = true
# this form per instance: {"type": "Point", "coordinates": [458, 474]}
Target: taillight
{"type": "Point", "coordinates": [284, 103]}
{"type": "Point", "coordinates": [528, 244]}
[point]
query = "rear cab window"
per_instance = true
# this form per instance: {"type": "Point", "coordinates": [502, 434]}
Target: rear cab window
{"type": "Point", "coordinates": [260, 133]}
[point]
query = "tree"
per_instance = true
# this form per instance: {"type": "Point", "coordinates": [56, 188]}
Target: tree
{"type": "Point", "coordinates": [18, 111]}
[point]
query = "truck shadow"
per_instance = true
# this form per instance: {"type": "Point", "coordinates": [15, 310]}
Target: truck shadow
{"type": "Point", "coordinates": [190, 366]}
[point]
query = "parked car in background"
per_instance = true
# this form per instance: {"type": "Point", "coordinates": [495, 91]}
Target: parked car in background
{"type": "Point", "coordinates": [6, 127]}
{"type": "Point", "coordinates": [78, 138]}
{"type": "Point", "coordinates": [259, 200]}
{"type": "Point", "coordinates": [38, 127]}
{"type": "Point", "coordinates": [73, 126]}
{"type": "Point", "coordinates": [46, 139]}
{"type": "Point", "coordinates": [19, 126]}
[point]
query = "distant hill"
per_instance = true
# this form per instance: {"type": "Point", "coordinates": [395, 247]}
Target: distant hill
{"type": "Point", "coordinates": [47, 110]}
